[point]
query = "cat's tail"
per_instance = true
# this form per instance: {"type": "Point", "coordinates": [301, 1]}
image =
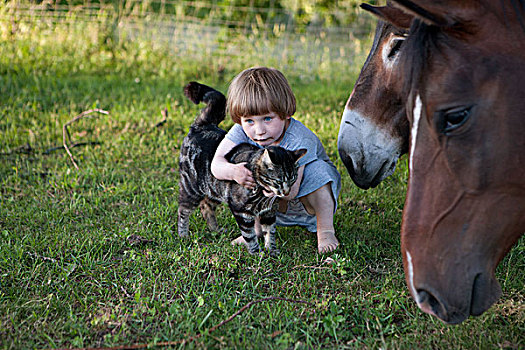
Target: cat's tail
{"type": "Point", "coordinates": [215, 111]}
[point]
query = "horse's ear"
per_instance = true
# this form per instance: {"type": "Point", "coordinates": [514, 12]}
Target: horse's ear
{"type": "Point", "coordinates": [430, 12]}
{"type": "Point", "coordinates": [397, 17]}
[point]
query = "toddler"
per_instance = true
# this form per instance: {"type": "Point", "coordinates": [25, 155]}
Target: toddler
{"type": "Point", "coordinates": [261, 103]}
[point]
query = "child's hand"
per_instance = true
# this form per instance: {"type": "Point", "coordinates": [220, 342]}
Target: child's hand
{"type": "Point", "coordinates": [243, 176]}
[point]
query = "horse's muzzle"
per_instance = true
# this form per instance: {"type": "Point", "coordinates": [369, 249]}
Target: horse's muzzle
{"type": "Point", "coordinates": [485, 291]}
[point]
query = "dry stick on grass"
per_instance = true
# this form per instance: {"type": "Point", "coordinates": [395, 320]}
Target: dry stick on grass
{"type": "Point", "coordinates": [45, 258]}
{"type": "Point", "coordinates": [65, 131]}
{"type": "Point", "coordinates": [76, 144]}
{"type": "Point", "coordinates": [327, 261]}
{"type": "Point", "coordinates": [195, 337]}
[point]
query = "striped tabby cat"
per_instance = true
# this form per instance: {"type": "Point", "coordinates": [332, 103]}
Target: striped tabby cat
{"type": "Point", "coordinates": [273, 168]}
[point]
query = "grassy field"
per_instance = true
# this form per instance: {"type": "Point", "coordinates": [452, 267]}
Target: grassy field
{"type": "Point", "coordinates": [90, 257]}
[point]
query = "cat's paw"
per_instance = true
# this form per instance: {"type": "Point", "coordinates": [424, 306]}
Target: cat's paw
{"type": "Point", "coordinates": [254, 250]}
{"type": "Point", "coordinates": [183, 232]}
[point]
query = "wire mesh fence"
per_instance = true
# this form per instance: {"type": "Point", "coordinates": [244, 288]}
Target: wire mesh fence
{"type": "Point", "coordinates": [198, 29]}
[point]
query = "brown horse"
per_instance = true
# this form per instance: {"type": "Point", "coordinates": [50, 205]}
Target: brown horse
{"type": "Point", "coordinates": [374, 129]}
{"type": "Point", "coordinates": [463, 69]}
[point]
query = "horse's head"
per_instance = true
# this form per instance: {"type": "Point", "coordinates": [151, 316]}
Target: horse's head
{"type": "Point", "coordinates": [463, 65]}
{"type": "Point", "coordinates": [374, 127]}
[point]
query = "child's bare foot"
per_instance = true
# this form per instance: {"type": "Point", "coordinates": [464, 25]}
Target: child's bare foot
{"type": "Point", "coordinates": [326, 241]}
{"type": "Point", "coordinates": [240, 241]}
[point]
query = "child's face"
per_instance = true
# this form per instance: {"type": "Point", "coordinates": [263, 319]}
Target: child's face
{"type": "Point", "coordinates": [265, 130]}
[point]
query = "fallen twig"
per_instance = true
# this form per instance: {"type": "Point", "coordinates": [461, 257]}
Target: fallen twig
{"type": "Point", "coordinates": [65, 131]}
{"type": "Point", "coordinates": [195, 337]}
{"type": "Point", "coordinates": [138, 240]}
{"type": "Point", "coordinates": [24, 149]}
{"type": "Point", "coordinates": [77, 144]}
{"type": "Point", "coordinates": [327, 261]}
{"type": "Point", "coordinates": [45, 258]}
{"type": "Point", "coordinates": [126, 292]}
{"type": "Point", "coordinates": [311, 267]}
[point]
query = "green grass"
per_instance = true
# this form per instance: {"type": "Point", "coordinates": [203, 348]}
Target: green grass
{"type": "Point", "coordinates": [90, 258]}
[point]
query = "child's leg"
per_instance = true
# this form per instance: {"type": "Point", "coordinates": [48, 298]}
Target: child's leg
{"type": "Point", "coordinates": [322, 204]}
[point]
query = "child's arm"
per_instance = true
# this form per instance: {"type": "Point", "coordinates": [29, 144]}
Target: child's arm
{"type": "Point", "coordinates": [224, 170]}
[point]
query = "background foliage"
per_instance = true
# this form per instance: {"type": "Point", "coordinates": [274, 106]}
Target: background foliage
{"type": "Point", "coordinates": [301, 12]}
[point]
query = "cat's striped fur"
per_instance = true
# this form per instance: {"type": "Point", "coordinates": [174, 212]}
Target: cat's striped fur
{"type": "Point", "coordinates": [273, 169]}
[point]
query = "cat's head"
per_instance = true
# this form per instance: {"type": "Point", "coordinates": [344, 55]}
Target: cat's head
{"type": "Point", "coordinates": [278, 169]}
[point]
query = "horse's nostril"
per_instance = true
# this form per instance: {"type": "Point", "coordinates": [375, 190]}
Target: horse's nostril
{"type": "Point", "coordinates": [431, 305]}
{"type": "Point", "coordinates": [347, 161]}
{"type": "Point", "coordinates": [485, 292]}
{"type": "Point", "coordinates": [378, 176]}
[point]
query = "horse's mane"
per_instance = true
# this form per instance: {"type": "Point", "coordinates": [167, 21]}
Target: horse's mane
{"type": "Point", "coordinates": [519, 9]}
{"type": "Point", "coordinates": [421, 42]}
{"type": "Point", "coordinates": [425, 40]}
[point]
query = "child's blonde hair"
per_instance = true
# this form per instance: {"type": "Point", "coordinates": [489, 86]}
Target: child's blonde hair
{"type": "Point", "coordinates": [259, 91]}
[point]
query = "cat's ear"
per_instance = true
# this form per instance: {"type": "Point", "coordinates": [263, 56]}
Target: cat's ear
{"type": "Point", "coordinates": [266, 158]}
{"type": "Point", "coordinates": [299, 154]}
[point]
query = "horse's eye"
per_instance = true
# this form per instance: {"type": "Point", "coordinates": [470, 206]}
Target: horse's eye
{"type": "Point", "coordinates": [396, 45]}
{"type": "Point", "coordinates": [452, 119]}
